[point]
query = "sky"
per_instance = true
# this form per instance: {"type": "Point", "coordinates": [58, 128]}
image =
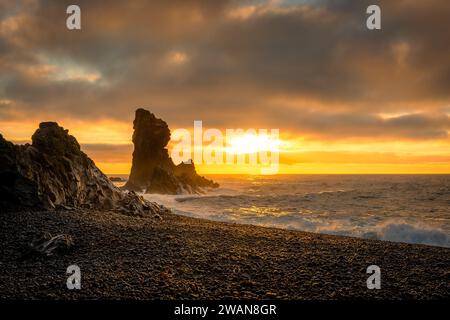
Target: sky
{"type": "Point", "coordinates": [345, 99]}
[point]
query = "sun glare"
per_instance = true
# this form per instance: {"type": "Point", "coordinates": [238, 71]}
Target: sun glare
{"type": "Point", "coordinates": [252, 143]}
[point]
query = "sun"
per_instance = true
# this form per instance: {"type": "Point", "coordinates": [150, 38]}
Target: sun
{"type": "Point", "coordinates": [252, 143]}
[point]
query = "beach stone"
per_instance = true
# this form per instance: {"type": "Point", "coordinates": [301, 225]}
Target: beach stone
{"type": "Point", "coordinates": [153, 171]}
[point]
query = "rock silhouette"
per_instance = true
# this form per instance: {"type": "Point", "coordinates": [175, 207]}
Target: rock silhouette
{"type": "Point", "coordinates": [54, 173]}
{"type": "Point", "coordinates": [153, 171]}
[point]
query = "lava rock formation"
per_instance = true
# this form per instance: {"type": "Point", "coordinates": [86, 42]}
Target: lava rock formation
{"type": "Point", "coordinates": [153, 171]}
{"type": "Point", "coordinates": [53, 173]}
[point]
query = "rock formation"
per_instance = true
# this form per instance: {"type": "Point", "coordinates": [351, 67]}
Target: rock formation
{"type": "Point", "coordinates": [153, 171]}
{"type": "Point", "coordinates": [54, 173]}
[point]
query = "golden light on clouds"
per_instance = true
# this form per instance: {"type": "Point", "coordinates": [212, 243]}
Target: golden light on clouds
{"type": "Point", "coordinates": [96, 132]}
{"type": "Point", "coordinates": [65, 70]}
{"type": "Point", "coordinates": [177, 58]}
{"type": "Point", "coordinates": [108, 143]}
{"type": "Point", "coordinates": [77, 75]}
{"type": "Point", "coordinates": [242, 12]}
{"type": "Point", "coordinates": [345, 101]}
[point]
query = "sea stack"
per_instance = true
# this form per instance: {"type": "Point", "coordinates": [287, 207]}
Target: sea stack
{"type": "Point", "coordinates": [53, 173]}
{"type": "Point", "coordinates": [153, 171]}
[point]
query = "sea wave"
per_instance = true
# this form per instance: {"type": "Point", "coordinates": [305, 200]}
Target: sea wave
{"type": "Point", "coordinates": [404, 232]}
{"type": "Point", "coordinates": [276, 197]}
{"type": "Point", "coordinates": [411, 209]}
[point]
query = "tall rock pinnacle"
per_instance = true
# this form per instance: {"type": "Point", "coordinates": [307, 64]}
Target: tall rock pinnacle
{"type": "Point", "coordinates": [153, 171]}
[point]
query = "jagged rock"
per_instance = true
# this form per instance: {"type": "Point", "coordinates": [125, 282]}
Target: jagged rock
{"type": "Point", "coordinates": [15, 189]}
{"type": "Point", "coordinates": [189, 179]}
{"type": "Point", "coordinates": [54, 173]}
{"type": "Point", "coordinates": [153, 171]}
{"type": "Point", "coordinates": [117, 179]}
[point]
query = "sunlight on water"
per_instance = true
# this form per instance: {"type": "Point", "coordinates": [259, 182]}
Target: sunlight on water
{"type": "Point", "coordinates": [402, 208]}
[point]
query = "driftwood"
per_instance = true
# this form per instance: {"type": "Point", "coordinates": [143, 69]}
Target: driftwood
{"type": "Point", "coordinates": [47, 245]}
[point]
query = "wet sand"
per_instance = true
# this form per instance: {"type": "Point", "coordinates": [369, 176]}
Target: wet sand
{"type": "Point", "coordinates": [124, 257]}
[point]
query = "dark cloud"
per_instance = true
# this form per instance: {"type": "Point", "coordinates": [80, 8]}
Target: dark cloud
{"type": "Point", "coordinates": [361, 125]}
{"type": "Point", "coordinates": [228, 64]}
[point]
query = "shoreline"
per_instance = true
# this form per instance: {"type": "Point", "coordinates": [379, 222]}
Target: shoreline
{"type": "Point", "coordinates": [187, 215]}
{"type": "Point", "coordinates": [181, 257]}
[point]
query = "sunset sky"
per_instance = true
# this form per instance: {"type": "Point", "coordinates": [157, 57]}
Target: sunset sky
{"type": "Point", "coordinates": [345, 99]}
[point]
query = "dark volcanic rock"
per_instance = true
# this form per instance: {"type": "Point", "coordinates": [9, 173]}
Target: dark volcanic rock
{"type": "Point", "coordinates": [153, 171]}
{"type": "Point", "coordinates": [15, 189]}
{"type": "Point", "coordinates": [117, 179]}
{"type": "Point", "coordinates": [53, 172]}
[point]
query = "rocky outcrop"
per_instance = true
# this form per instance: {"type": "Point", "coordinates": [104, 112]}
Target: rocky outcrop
{"type": "Point", "coordinates": [153, 171]}
{"type": "Point", "coordinates": [52, 172]}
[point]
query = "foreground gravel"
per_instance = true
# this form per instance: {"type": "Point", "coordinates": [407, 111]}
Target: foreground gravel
{"type": "Point", "coordinates": [177, 257]}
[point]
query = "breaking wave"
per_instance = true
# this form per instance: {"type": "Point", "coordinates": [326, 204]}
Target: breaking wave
{"type": "Point", "coordinates": [404, 232]}
{"type": "Point", "coordinates": [408, 209]}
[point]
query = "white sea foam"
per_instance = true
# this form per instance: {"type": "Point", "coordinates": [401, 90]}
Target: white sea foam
{"type": "Point", "coordinates": [404, 232]}
{"type": "Point", "coordinates": [412, 209]}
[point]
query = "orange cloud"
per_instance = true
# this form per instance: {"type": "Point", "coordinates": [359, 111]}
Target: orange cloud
{"type": "Point", "coordinates": [344, 100]}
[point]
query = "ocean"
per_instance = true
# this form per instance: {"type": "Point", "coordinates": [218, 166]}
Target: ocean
{"type": "Point", "coordinates": [400, 208]}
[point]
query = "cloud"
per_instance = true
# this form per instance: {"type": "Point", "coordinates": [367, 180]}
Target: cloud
{"type": "Point", "coordinates": [366, 125]}
{"type": "Point", "coordinates": [109, 153]}
{"type": "Point", "coordinates": [309, 66]}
